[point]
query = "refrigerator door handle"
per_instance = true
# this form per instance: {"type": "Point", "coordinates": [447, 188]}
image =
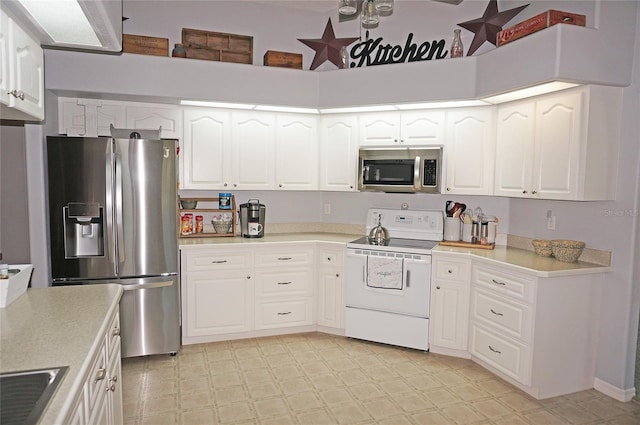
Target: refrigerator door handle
{"type": "Point", "coordinates": [118, 206]}
{"type": "Point", "coordinates": [148, 285]}
{"type": "Point", "coordinates": [109, 216]}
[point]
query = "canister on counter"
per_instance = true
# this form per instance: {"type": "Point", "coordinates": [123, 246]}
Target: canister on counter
{"type": "Point", "coordinates": [185, 225]}
{"type": "Point", "coordinates": [199, 224]}
{"type": "Point", "coordinates": [224, 201]}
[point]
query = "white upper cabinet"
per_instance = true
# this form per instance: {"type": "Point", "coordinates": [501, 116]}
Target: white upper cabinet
{"type": "Point", "coordinates": [425, 127]}
{"type": "Point", "coordinates": [205, 159]}
{"type": "Point", "coordinates": [152, 117]}
{"type": "Point", "coordinates": [89, 117]}
{"type": "Point", "coordinates": [560, 146]}
{"type": "Point", "coordinates": [21, 73]}
{"type": "Point", "coordinates": [253, 153]}
{"type": "Point", "coordinates": [296, 152]}
{"type": "Point", "coordinates": [338, 152]}
{"type": "Point", "coordinates": [469, 151]}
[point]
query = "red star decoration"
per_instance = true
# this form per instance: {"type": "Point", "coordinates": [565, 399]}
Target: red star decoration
{"type": "Point", "coordinates": [488, 27]}
{"type": "Point", "coordinates": [327, 47]}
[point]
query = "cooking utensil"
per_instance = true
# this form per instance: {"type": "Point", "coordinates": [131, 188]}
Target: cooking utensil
{"type": "Point", "coordinates": [449, 206]}
{"type": "Point", "coordinates": [378, 235]}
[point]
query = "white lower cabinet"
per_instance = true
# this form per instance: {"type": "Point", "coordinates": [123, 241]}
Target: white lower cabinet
{"type": "Point", "coordinates": [330, 288]}
{"type": "Point", "coordinates": [449, 304]}
{"type": "Point", "coordinates": [100, 401]}
{"type": "Point", "coordinates": [229, 292]}
{"type": "Point", "coordinates": [538, 333]}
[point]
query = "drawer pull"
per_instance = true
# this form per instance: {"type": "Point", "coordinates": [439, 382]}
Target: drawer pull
{"type": "Point", "coordinates": [498, 282]}
{"type": "Point", "coordinates": [102, 372]}
{"type": "Point", "coordinates": [284, 283]}
{"type": "Point", "coordinates": [115, 332]}
{"type": "Point", "coordinates": [218, 261]}
{"type": "Point", "coordinates": [494, 350]}
{"type": "Point", "coordinates": [284, 314]}
{"type": "Point", "coordinates": [284, 258]}
{"type": "Point", "coordinates": [449, 271]}
{"type": "Point", "coordinates": [496, 313]}
{"type": "Point", "coordinates": [437, 287]}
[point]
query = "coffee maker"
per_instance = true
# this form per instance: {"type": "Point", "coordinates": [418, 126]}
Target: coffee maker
{"type": "Point", "coordinates": [252, 216]}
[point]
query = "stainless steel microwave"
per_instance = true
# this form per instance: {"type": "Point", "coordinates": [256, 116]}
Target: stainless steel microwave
{"type": "Point", "coordinates": [406, 169]}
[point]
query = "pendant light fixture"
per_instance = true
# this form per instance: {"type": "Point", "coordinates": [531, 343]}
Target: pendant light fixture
{"type": "Point", "coordinates": [370, 11]}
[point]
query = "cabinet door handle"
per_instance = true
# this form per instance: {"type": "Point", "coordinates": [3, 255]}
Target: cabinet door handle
{"type": "Point", "coordinates": [218, 261]}
{"type": "Point", "coordinates": [102, 372]}
{"type": "Point", "coordinates": [337, 274]}
{"type": "Point", "coordinates": [494, 350]}
{"type": "Point", "coordinates": [533, 192]}
{"type": "Point", "coordinates": [284, 258]}
{"type": "Point", "coordinates": [437, 287]}
{"type": "Point", "coordinates": [496, 313]}
{"type": "Point", "coordinates": [448, 189]}
{"type": "Point", "coordinates": [284, 314]}
{"type": "Point", "coordinates": [498, 282]}
{"type": "Point", "coordinates": [449, 271]}
{"type": "Point", "coordinates": [284, 283]}
{"type": "Point", "coordinates": [524, 192]}
{"type": "Point", "coordinates": [115, 332]}
{"type": "Point", "coordinates": [225, 185]}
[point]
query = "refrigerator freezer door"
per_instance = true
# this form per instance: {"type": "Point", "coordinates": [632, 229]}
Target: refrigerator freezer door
{"type": "Point", "coordinates": [150, 316]}
{"type": "Point", "coordinates": [146, 207]}
{"type": "Point", "coordinates": [80, 208]}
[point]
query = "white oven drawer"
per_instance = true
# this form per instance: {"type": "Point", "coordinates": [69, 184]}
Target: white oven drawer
{"type": "Point", "coordinates": [506, 355]}
{"type": "Point", "coordinates": [502, 314]}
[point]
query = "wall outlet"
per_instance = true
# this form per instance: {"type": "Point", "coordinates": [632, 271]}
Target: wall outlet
{"type": "Point", "coordinates": [327, 209]}
{"type": "Point", "coordinates": [551, 222]}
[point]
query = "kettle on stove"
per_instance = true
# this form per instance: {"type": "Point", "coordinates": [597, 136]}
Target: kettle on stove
{"type": "Point", "coordinates": [378, 235]}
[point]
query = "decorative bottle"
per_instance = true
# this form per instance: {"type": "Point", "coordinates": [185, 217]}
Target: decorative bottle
{"type": "Point", "coordinates": [179, 51]}
{"type": "Point", "coordinates": [457, 49]}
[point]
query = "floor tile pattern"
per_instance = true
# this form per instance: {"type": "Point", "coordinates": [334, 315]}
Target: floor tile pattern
{"type": "Point", "coordinates": [316, 378]}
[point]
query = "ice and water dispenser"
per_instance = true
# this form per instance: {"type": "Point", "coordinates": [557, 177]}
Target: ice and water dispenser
{"type": "Point", "coordinates": [83, 230]}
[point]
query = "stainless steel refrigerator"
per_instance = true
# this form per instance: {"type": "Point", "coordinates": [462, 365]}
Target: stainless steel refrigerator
{"type": "Point", "coordinates": [113, 219]}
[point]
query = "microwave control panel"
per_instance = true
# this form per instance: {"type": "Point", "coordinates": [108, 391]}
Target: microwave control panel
{"type": "Point", "coordinates": [430, 175]}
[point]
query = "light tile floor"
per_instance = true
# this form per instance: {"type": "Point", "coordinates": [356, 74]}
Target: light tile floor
{"type": "Point", "coordinates": [316, 378]}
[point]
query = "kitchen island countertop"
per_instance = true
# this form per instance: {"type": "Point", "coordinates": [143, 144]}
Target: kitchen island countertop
{"type": "Point", "coordinates": [57, 326]}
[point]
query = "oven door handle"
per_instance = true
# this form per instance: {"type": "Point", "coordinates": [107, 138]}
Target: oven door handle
{"type": "Point", "coordinates": [417, 171]}
{"type": "Point", "coordinates": [408, 278]}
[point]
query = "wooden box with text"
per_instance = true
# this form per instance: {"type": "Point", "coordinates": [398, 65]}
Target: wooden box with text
{"type": "Point", "coordinates": [283, 59]}
{"type": "Point", "coordinates": [537, 23]}
{"type": "Point", "coordinates": [144, 45]}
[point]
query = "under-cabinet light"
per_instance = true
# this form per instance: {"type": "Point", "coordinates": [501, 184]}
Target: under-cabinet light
{"type": "Point", "coordinates": [379, 108]}
{"type": "Point", "coordinates": [445, 104]}
{"type": "Point", "coordinates": [216, 104]}
{"type": "Point", "coordinates": [529, 92]}
{"type": "Point", "coordinates": [271, 108]}
{"type": "Point", "coordinates": [63, 20]}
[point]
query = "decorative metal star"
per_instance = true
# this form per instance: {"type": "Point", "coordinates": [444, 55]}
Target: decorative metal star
{"type": "Point", "coordinates": [327, 47]}
{"type": "Point", "coordinates": [489, 25]}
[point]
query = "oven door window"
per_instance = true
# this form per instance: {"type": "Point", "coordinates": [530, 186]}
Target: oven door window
{"type": "Point", "coordinates": [394, 172]}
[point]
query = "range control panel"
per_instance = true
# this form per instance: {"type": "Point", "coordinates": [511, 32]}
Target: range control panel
{"type": "Point", "coordinates": [408, 224]}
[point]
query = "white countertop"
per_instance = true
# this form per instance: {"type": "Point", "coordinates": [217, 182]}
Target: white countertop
{"type": "Point", "coordinates": [524, 260]}
{"type": "Point", "coordinates": [57, 326]}
{"type": "Point", "coordinates": [270, 238]}
{"type": "Point", "coordinates": [527, 261]}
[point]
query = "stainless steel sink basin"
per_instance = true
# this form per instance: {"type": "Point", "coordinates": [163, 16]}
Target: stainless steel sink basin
{"type": "Point", "coordinates": [25, 394]}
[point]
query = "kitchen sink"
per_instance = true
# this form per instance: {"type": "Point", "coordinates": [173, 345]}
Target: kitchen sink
{"type": "Point", "coordinates": [25, 394]}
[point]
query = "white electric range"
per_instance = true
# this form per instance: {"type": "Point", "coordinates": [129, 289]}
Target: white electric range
{"type": "Point", "coordinates": [388, 286]}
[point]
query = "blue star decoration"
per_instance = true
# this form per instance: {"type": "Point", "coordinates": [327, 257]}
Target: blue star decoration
{"type": "Point", "coordinates": [489, 25]}
{"type": "Point", "coordinates": [328, 47]}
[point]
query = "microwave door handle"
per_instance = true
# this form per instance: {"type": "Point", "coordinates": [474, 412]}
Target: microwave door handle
{"type": "Point", "coordinates": [417, 171]}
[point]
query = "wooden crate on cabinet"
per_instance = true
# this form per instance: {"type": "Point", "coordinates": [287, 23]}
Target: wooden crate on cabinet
{"type": "Point", "coordinates": [208, 211]}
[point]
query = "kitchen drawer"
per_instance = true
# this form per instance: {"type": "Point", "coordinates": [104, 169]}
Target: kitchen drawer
{"type": "Point", "coordinates": [514, 285]}
{"type": "Point", "coordinates": [113, 334]}
{"type": "Point", "coordinates": [501, 313]}
{"type": "Point", "coordinates": [451, 270]}
{"type": "Point", "coordinates": [331, 257]}
{"type": "Point", "coordinates": [297, 312]}
{"type": "Point", "coordinates": [216, 259]}
{"type": "Point", "coordinates": [98, 377]}
{"type": "Point", "coordinates": [279, 258]}
{"type": "Point", "coordinates": [291, 282]}
{"type": "Point", "coordinates": [506, 355]}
